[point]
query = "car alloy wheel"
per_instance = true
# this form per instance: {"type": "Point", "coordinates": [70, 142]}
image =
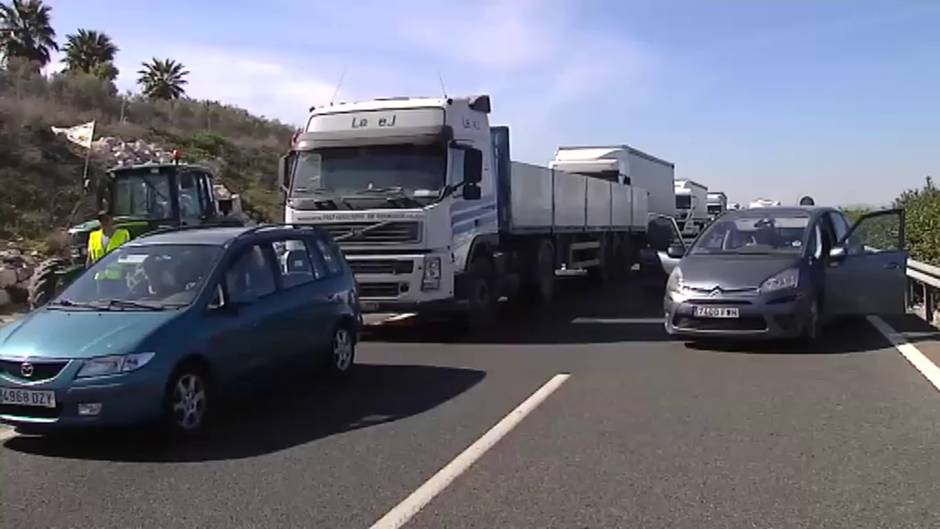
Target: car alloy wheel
{"type": "Point", "coordinates": [343, 350]}
{"type": "Point", "coordinates": [189, 402]}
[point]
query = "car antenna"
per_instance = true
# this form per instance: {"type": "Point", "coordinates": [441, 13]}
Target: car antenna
{"type": "Point", "coordinates": [339, 83]}
{"type": "Point", "coordinates": [440, 77]}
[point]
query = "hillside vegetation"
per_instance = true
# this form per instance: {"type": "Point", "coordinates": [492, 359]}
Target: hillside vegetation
{"type": "Point", "coordinates": [40, 173]}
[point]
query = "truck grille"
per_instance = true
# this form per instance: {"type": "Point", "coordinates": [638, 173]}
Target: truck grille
{"type": "Point", "coordinates": [41, 370]}
{"type": "Point", "coordinates": [378, 290]}
{"type": "Point", "coordinates": [382, 266]}
{"type": "Point", "coordinates": [381, 232]}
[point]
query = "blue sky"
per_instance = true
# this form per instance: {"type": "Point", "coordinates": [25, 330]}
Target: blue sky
{"type": "Point", "coordinates": [839, 99]}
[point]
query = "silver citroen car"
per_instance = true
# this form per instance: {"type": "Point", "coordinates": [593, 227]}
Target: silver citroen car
{"type": "Point", "coordinates": [783, 272]}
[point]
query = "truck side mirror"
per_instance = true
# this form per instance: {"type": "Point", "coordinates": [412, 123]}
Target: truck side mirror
{"type": "Point", "coordinates": [472, 166]}
{"type": "Point", "coordinates": [283, 172]}
{"type": "Point", "coordinates": [471, 192]}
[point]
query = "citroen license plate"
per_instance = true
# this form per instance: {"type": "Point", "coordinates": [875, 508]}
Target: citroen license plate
{"type": "Point", "coordinates": [717, 312]}
{"type": "Point", "coordinates": [27, 397]}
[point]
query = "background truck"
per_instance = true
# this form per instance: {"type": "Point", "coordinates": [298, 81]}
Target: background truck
{"type": "Point", "coordinates": [717, 203]}
{"type": "Point", "coordinates": [691, 207]}
{"type": "Point", "coordinates": [626, 165]}
{"type": "Point", "coordinates": [433, 216]}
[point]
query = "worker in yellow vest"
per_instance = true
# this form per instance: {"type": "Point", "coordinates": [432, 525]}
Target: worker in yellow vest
{"type": "Point", "coordinates": [103, 241]}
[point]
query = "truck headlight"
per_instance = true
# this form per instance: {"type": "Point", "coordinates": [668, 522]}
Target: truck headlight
{"type": "Point", "coordinates": [789, 278]}
{"type": "Point", "coordinates": [431, 279]}
{"type": "Point", "coordinates": [112, 365]}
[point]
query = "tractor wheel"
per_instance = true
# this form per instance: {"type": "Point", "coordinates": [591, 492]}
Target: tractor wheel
{"type": "Point", "coordinates": [44, 284]}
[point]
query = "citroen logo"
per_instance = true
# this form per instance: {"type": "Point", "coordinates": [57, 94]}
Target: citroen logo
{"type": "Point", "coordinates": [26, 369]}
{"type": "Point", "coordinates": [715, 292]}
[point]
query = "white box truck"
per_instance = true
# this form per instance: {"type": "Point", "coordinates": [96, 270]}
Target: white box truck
{"type": "Point", "coordinates": [433, 216]}
{"type": "Point", "coordinates": [624, 164]}
{"type": "Point", "coordinates": [717, 203]}
{"type": "Point", "coordinates": [691, 206]}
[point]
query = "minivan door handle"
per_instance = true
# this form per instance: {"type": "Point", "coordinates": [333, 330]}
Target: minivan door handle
{"type": "Point", "coordinates": [891, 266]}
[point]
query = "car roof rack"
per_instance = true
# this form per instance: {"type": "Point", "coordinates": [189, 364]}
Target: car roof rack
{"type": "Point", "coordinates": [171, 229]}
{"type": "Point", "coordinates": [275, 225]}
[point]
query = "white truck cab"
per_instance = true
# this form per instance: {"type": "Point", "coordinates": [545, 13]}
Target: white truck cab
{"type": "Point", "coordinates": [404, 184]}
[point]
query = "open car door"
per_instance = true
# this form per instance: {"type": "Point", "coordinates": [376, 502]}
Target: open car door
{"type": "Point", "coordinates": [664, 233]}
{"type": "Point", "coordinates": [866, 273]}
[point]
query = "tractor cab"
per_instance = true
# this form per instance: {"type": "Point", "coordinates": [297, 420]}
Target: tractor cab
{"type": "Point", "coordinates": [141, 198]}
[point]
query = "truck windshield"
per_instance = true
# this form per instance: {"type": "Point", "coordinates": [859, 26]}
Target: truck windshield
{"type": "Point", "coordinates": [683, 201]}
{"type": "Point", "coordinates": [754, 233]}
{"type": "Point", "coordinates": [351, 169]}
{"type": "Point", "coordinates": [143, 195]}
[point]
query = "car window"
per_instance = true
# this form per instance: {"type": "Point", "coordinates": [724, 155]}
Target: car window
{"type": "Point", "coordinates": [295, 264]}
{"type": "Point", "coordinates": [332, 260]}
{"type": "Point", "coordinates": [250, 276]}
{"type": "Point", "coordinates": [839, 224]}
{"type": "Point", "coordinates": [815, 246]}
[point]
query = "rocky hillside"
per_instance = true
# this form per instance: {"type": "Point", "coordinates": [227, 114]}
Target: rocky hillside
{"type": "Point", "coordinates": [40, 172]}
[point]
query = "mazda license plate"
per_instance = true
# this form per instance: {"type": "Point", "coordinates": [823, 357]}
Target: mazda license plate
{"type": "Point", "coordinates": [27, 397]}
{"type": "Point", "coordinates": [717, 312]}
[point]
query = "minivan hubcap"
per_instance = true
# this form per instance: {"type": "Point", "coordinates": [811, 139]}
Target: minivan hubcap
{"type": "Point", "coordinates": [189, 401]}
{"type": "Point", "coordinates": [342, 349]}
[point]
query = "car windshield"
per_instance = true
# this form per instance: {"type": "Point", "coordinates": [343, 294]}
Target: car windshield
{"type": "Point", "coordinates": [144, 195]}
{"type": "Point", "coordinates": [145, 277]}
{"type": "Point", "coordinates": [347, 170]}
{"type": "Point", "coordinates": [754, 234]}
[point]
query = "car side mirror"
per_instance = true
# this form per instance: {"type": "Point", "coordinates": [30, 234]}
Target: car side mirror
{"type": "Point", "coordinates": [472, 192]}
{"type": "Point", "coordinates": [472, 166]}
{"type": "Point", "coordinates": [837, 254]}
{"type": "Point", "coordinates": [676, 251]}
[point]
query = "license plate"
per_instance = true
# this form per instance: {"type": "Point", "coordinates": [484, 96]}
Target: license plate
{"type": "Point", "coordinates": [368, 305]}
{"type": "Point", "coordinates": [27, 397]}
{"type": "Point", "coordinates": [717, 312]}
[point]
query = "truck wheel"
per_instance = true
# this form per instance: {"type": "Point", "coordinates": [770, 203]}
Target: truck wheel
{"type": "Point", "coordinates": [541, 291]}
{"type": "Point", "coordinates": [481, 294]}
{"type": "Point", "coordinates": [44, 284]}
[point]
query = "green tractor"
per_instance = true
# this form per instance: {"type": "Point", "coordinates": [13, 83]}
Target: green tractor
{"type": "Point", "coordinates": [141, 198]}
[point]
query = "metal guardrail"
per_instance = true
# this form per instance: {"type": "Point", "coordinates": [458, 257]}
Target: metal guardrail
{"type": "Point", "coordinates": [923, 279]}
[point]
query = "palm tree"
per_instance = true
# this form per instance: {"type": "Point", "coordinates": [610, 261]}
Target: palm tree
{"type": "Point", "coordinates": [25, 31]}
{"type": "Point", "coordinates": [88, 51]}
{"type": "Point", "coordinates": [162, 79]}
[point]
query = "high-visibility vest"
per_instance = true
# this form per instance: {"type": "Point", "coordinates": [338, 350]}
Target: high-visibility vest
{"type": "Point", "coordinates": [96, 248]}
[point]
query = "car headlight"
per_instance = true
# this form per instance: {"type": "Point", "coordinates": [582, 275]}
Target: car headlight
{"type": "Point", "coordinates": [675, 280]}
{"type": "Point", "coordinates": [431, 279]}
{"type": "Point", "coordinates": [789, 278]}
{"type": "Point", "coordinates": [112, 365]}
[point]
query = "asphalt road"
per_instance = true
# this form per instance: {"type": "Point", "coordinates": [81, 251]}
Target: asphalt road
{"type": "Point", "coordinates": [646, 432]}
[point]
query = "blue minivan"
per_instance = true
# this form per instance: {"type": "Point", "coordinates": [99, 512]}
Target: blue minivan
{"type": "Point", "coordinates": [169, 323]}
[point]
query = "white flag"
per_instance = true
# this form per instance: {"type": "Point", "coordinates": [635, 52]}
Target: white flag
{"type": "Point", "coordinates": [80, 134]}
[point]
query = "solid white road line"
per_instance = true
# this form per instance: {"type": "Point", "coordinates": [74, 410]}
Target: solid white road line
{"type": "Point", "coordinates": [400, 317]}
{"type": "Point", "coordinates": [6, 433]}
{"type": "Point", "coordinates": [404, 511]}
{"type": "Point", "coordinates": [913, 355]}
